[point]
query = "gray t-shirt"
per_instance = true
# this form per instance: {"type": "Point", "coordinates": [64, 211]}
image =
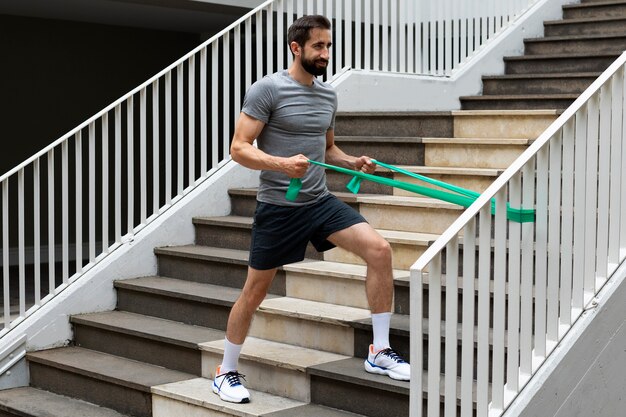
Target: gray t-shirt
{"type": "Point", "coordinates": [296, 119]}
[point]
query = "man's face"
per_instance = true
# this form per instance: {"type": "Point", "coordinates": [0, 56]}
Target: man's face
{"type": "Point", "coordinates": [315, 54]}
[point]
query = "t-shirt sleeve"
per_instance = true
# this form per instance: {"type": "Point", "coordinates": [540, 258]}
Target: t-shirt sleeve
{"type": "Point", "coordinates": [332, 120]}
{"type": "Point", "coordinates": [258, 100]}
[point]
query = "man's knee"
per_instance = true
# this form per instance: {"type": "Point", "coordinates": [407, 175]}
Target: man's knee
{"type": "Point", "coordinates": [379, 252]}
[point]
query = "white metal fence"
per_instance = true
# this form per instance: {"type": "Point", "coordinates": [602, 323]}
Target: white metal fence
{"type": "Point", "coordinates": [523, 284]}
{"type": "Point", "coordinates": [75, 201]}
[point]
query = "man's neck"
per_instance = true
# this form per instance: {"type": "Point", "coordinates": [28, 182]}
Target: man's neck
{"type": "Point", "coordinates": [300, 75]}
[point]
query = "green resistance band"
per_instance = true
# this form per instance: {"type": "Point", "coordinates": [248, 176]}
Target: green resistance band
{"type": "Point", "coordinates": [463, 198]}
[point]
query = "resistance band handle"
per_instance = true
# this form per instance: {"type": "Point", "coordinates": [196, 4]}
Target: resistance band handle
{"type": "Point", "coordinates": [294, 188]}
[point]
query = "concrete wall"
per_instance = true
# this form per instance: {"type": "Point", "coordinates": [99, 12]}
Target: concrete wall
{"type": "Point", "coordinates": [586, 374]}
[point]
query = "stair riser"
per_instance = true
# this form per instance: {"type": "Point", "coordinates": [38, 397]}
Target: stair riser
{"type": "Point", "coordinates": [142, 349]}
{"type": "Point", "coordinates": [272, 379]}
{"type": "Point", "coordinates": [212, 272]}
{"type": "Point", "coordinates": [399, 125]}
{"type": "Point", "coordinates": [478, 183]}
{"type": "Point", "coordinates": [522, 104]}
{"type": "Point", "coordinates": [578, 46]}
{"type": "Point", "coordinates": [410, 219]}
{"type": "Point", "coordinates": [403, 255]}
{"type": "Point", "coordinates": [358, 398]}
{"type": "Point", "coordinates": [333, 290]}
{"type": "Point", "coordinates": [615, 27]}
{"type": "Point", "coordinates": [391, 152]}
{"type": "Point", "coordinates": [168, 407]}
{"type": "Point", "coordinates": [472, 155]}
{"type": "Point", "coordinates": [613, 10]}
{"type": "Point", "coordinates": [234, 238]}
{"type": "Point", "coordinates": [174, 308]}
{"type": "Point", "coordinates": [500, 126]}
{"type": "Point", "coordinates": [306, 333]}
{"type": "Point", "coordinates": [537, 86]}
{"type": "Point", "coordinates": [558, 65]}
{"type": "Point", "coordinates": [122, 399]}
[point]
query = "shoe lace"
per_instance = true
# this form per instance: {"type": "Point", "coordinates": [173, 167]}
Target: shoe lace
{"type": "Point", "coordinates": [391, 354]}
{"type": "Point", "coordinates": [232, 377]}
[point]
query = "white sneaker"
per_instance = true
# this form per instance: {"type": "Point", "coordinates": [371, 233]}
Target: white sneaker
{"type": "Point", "coordinates": [229, 388]}
{"type": "Point", "coordinates": [387, 362]}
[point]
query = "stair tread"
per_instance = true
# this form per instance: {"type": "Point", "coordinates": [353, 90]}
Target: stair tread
{"type": "Point", "coordinates": [205, 253]}
{"type": "Point", "coordinates": [190, 290]}
{"type": "Point", "coordinates": [351, 370]}
{"type": "Point", "coordinates": [154, 328]}
{"type": "Point", "coordinates": [35, 402]}
{"type": "Point", "coordinates": [593, 4]}
{"type": "Point", "coordinates": [573, 38]}
{"type": "Point", "coordinates": [576, 55]}
{"type": "Point", "coordinates": [313, 410]}
{"type": "Point", "coordinates": [236, 221]}
{"type": "Point", "coordinates": [534, 76]}
{"type": "Point", "coordinates": [277, 354]}
{"type": "Point", "coordinates": [584, 20]}
{"type": "Point", "coordinates": [313, 310]}
{"type": "Point", "coordinates": [339, 269]}
{"type": "Point", "coordinates": [114, 369]}
{"type": "Point", "coordinates": [519, 96]}
{"type": "Point", "coordinates": [198, 392]}
{"type": "Point", "coordinates": [480, 141]}
{"type": "Point", "coordinates": [387, 139]}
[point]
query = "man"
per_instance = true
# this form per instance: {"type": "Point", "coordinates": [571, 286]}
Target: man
{"type": "Point", "coordinates": [292, 116]}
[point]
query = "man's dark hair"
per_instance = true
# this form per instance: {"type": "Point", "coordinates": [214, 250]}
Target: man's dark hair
{"type": "Point", "coordinates": [299, 31]}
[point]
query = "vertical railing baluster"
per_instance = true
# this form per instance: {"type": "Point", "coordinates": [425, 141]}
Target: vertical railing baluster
{"type": "Point", "coordinates": [376, 38]}
{"type": "Point", "coordinates": [21, 242]}
{"type": "Point", "coordinates": [91, 212]}
{"type": "Point", "coordinates": [514, 272]}
{"type": "Point", "coordinates": [130, 164]}
{"type": "Point", "coordinates": [259, 62]}
{"type": "Point", "coordinates": [78, 203]}
{"type": "Point", "coordinates": [567, 228]}
{"type": "Point", "coordinates": [214, 139]}
{"type": "Point", "coordinates": [118, 174]}
{"type": "Point", "coordinates": [6, 278]}
{"type": "Point", "coordinates": [580, 166]}
{"type": "Point", "coordinates": [105, 183]}
{"type": "Point", "coordinates": [191, 116]}
{"type": "Point", "coordinates": [367, 20]}
{"type": "Point", "coordinates": [467, 329]}
{"type": "Point", "coordinates": [484, 295]}
{"type": "Point", "coordinates": [226, 97]}
{"type": "Point", "coordinates": [269, 42]}
{"type": "Point", "coordinates": [180, 130]}
{"type": "Point", "coordinates": [616, 166]}
{"type": "Point", "coordinates": [402, 34]}
{"type": "Point", "coordinates": [541, 252]}
{"type": "Point", "coordinates": [51, 222]}
{"type": "Point", "coordinates": [65, 241]}
{"type": "Point", "coordinates": [591, 198]}
{"type": "Point", "coordinates": [555, 207]}
{"type": "Point", "coordinates": [434, 337]}
{"type": "Point", "coordinates": [168, 138]}
{"type": "Point", "coordinates": [451, 326]}
{"type": "Point", "coordinates": [347, 59]}
{"type": "Point", "coordinates": [203, 111]}
{"type": "Point", "coordinates": [156, 146]}
{"type": "Point", "coordinates": [526, 328]}
{"type": "Point", "coordinates": [143, 163]}
{"type": "Point", "coordinates": [385, 38]}
{"type": "Point", "coordinates": [338, 40]}
{"type": "Point", "coordinates": [37, 229]}
{"type": "Point", "coordinates": [604, 175]}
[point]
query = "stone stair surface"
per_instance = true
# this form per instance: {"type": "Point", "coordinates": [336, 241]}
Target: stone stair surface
{"type": "Point", "coordinates": [155, 354]}
{"type": "Point", "coordinates": [559, 66]}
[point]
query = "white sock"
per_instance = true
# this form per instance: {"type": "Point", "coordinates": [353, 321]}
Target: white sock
{"type": "Point", "coordinates": [231, 356]}
{"type": "Point", "coordinates": [380, 324]}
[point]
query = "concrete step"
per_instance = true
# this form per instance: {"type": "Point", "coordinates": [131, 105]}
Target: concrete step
{"type": "Point", "coordinates": [567, 83]}
{"type": "Point", "coordinates": [342, 284]}
{"type": "Point", "coordinates": [491, 153]}
{"type": "Point", "coordinates": [263, 360]}
{"type": "Point", "coordinates": [345, 384]}
{"type": "Point", "coordinates": [585, 26]}
{"type": "Point", "coordinates": [477, 179]}
{"type": "Point", "coordinates": [219, 266]}
{"type": "Point", "coordinates": [514, 124]}
{"type": "Point", "coordinates": [110, 381]}
{"type": "Point", "coordinates": [596, 9]}
{"type": "Point", "coordinates": [33, 402]}
{"type": "Point", "coordinates": [391, 149]}
{"type": "Point", "coordinates": [425, 215]}
{"type": "Point", "coordinates": [196, 398]}
{"type": "Point", "coordinates": [166, 343]}
{"type": "Point", "coordinates": [398, 124]}
{"type": "Point", "coordinates": [575, 44]}
{"type": "Point", "coordinates": [573, 62]}
{"type": "Point", "coordinates": [517, 102]}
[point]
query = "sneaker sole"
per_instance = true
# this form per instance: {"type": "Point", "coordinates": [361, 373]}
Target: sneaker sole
{"type": "Point", "coordinates": [388, 372]}
{"type": "Point", "coordinates": [230, 399]}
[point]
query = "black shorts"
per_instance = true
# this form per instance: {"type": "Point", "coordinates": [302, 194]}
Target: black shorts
{"type": "Point", "coordinates": [280, 234]}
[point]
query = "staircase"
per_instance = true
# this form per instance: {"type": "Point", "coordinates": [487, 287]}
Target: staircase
{"type": "Point", "coordinates": [156, 353]}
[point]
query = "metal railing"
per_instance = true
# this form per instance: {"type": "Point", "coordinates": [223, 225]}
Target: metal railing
{"type": "Point", "coordinates": [523, 284]}
{"type": "Point", "coordinates": [83, 196]}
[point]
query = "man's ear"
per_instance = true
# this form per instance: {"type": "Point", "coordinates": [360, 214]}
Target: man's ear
{"type": "Point", "coordinates": [295, 48]}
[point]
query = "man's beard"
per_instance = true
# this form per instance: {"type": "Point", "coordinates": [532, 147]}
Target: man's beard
{"type": "Point", "coordinates": [310, 67]}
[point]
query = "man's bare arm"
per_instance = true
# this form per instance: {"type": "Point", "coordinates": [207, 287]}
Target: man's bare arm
{"type": "Point", "coordinates": [335, 156]}
{"type": "Point", "coordinates": [245, 153]}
